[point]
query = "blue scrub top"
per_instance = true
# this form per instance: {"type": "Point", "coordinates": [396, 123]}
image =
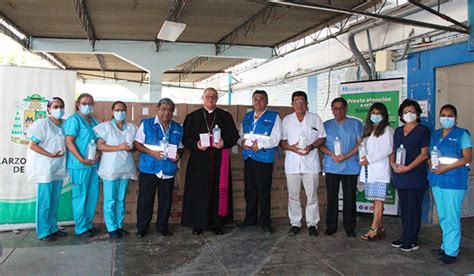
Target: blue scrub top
{"type": "Point", "coordinates": [349, 131]}
{"type": "Point", "coordinates": [80, 128]}
{"type": "Point", "coordinates": [417, 139]}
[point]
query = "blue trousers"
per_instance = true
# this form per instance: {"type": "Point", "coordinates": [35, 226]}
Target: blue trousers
{"type": "Point", "coordinates": [85, 193]}
{"type": "Point", "coordinates": [448, 204]}
{"type": "Point", "coordinates": [115, 192]}
{"type": "Point", "coordinates": [411, 201]}
{"type": "Point", "coordinates": [47, 205]}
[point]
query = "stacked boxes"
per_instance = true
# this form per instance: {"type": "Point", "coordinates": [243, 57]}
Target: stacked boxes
{"type": "Point", "coordinates": [138, 111]}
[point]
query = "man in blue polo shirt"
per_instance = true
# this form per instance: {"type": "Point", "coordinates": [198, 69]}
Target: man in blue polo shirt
{"type": "Point", "coordinates": [342, 166]}
{"type": "Point", "coordinates": [260, 134]}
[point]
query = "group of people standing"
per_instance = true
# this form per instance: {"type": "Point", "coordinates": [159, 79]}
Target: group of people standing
{"type": "Point", "coordinates": [353, 151]}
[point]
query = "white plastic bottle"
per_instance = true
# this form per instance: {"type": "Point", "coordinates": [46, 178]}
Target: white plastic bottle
{"type": "Point", "coordinates": [337, 146]}
{"type": "Point", "coordinates": [216, 135]}
{"type": "Point", "coordinates": [362, 151]}
{"type": "Point", "coordinates": [401, 155]}
{"type": "Point", "coordinates": [128, 136]}
{"type": "Point", "coordinates": [58, 146]}
{"type": "Point", "coordinates": [91, 150]}
{"type": "Point", "coordinates": [435, 155]}
{"type": "Point", "coordinates": [302, 141]}
{"type": "Point", "coordinates": [164, 147]}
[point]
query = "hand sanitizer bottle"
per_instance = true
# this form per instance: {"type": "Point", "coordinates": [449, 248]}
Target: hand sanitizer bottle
{"type": "Point", "coordinates": [337, 146]}
{"type": "Point", "coordinates": [91, 150]}
{"type": "Point", "coordinates": [216, 135]}
{"type": "Point", "coordinates": [401, 155]}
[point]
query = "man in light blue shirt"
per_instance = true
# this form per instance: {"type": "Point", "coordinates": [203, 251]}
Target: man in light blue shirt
{"type": "Point", "coordinates": [341, 164]}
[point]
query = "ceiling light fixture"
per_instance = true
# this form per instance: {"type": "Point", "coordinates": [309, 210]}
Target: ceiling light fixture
{"type": "Point", "coordinates": [170, 31]}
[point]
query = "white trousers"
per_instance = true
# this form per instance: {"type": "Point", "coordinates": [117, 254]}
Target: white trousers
{"type": "Point", "coordinates": [310, 184]}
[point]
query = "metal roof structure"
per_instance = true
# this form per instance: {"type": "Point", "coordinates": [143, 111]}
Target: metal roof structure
{"type": "Point", "coordinates": [223, 23]}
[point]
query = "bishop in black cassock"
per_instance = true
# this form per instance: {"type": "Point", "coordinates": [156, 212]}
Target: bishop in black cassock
{"type": "Point", "coordinates": [207, 202]}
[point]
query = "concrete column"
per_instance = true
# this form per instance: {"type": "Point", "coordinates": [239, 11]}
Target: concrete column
{"type": "Point", "coordinates": [155, 92]}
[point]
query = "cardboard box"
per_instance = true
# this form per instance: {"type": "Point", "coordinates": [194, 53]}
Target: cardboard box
{"type": "Point", "coordinates": [180, 113]}
{"type": "Point", "coordinates": [132, 192]}
{"type": "Point", "coordinates": [98, 112]}
{"type": "Point", "coordinates": [99, 214]}
{"type": "Point", "coordinates": [130, 213]}
{"type": "Point", "coordinates": [192, 107]}
{"type": "Point", "coordinates": [238, 190]}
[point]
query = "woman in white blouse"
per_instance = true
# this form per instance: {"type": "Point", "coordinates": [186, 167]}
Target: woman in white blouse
{"type": "Point", "coordinates": [375, 171]}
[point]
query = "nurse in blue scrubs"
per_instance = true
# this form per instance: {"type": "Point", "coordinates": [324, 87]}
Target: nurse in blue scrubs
{"type": "Point", "coordinates": [117, 166]}
{"type": "Point", "coordinates": [47, 167]}
{"type": "Point", "coordinates": [83, 171]}
{"type": "Point", "coordinates": [449, 180]}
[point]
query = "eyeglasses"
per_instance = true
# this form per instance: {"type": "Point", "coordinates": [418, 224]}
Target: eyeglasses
{"type": "Point", "coordinates": [299, 102]}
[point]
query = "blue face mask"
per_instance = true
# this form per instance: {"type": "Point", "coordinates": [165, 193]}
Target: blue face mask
{"type": "Point", "coordinates": [376, 118]}
{"type": "Point", "coordinates": [120, 115]}
{"type": "Point", "coordinates": [447, 122]}
{"type": "Point", "coordinates": [57, 113]}
{"type": "Point", "coordinates": [85, 109]}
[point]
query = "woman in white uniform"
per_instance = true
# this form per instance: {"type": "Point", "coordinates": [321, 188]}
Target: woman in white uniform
{"type": "Point", "coordinates": [47, 166]}
{"type": "Point", "coordinates": [117, 166]}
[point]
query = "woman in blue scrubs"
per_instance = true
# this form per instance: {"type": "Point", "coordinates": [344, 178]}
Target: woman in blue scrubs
{"type": "Point", "coordinates": [410, 178]}
{"type": "Point", "coordinates": [117, 166]}
{"type": "Point", "coordinates": [47, 167]}
{"type": "Point", "coordinates": [83, 171]}
{"type": "Point", "coordinates": [449, 180]}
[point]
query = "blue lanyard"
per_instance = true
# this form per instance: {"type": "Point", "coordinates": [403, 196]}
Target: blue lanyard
{"type": "Point", "coordinates": [166, 134]}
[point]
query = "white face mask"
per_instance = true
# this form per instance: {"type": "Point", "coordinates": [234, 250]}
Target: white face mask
{"type": "Point", "coordinates": [409, 117]}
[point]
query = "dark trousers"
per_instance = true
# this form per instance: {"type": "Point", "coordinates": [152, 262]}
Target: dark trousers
{"type": "Point", "coordinates": [148, 183]}
{"type": "Point", "coordinates": [349, 188]}
{"type": "Point", "coordinates": [411, 201]}
{"type": "Point", "coordinates": [258, 184]}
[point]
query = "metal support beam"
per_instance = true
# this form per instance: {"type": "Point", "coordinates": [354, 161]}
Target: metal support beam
{"type": "Point", "coordinates": [470, 16]}
{"type": "Point", "coordinates": [255, 23]}
{"type": "Point", "coordinates": [192, 67]}
{"type": "Point", "coordinates": [439, 14]}
{"type": "Point", "coordinates": [101, 61]}
{"type": "Point", "coordinates": [85, 21]}
{"type": "Point", "coordinates": [308, 5]}
{"type": "Point", "coordinates": [107, 70]}
{"type": "Point", "coordinates": [174, 14]}
{"type": "Point", "coordinates": [53, 59]}
{"type": "Point", "coordinates": [14, 32]}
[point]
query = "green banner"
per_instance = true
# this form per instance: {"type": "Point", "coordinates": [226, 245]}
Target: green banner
{"type": "Point", "coordinates": [360, 96]}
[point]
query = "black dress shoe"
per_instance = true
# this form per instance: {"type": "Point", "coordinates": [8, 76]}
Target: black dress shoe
{"type": "Point", "coordinates": [245, 224]}
{"type": "Point", "coordinates": [60, 233]}
{"type": "Point", "coordinates": [218, 231]}
{"type": "Point", "coordinates": [197, 231]}
{"type": "Point", "coordinates": [294, 230]}
{"type": "Point", "coordinates": [123, 232]}
{"type": "Point", "coordinates": [48, 238]}
{"type": "Point", "coordinates": [438, 251]}
{"type": "Point", "coordinates": [94, 231]}
{"type": "Point", "coordinates": [141, 234]}
{"type": "Point", "coordinates": [165, 233]}
{"type": "Point", "coordinates": [329, 232]}
{"type": "Point", "coordinates": [448, 259]}
{"type": "Point", "coordinates": [267, 230]}
{"type": "Point", "coordinates": [114, 234]}
{"type": "Point", "coordinates": [350, 234]}
{"type": "Point", "coordinates": [312, 231]}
